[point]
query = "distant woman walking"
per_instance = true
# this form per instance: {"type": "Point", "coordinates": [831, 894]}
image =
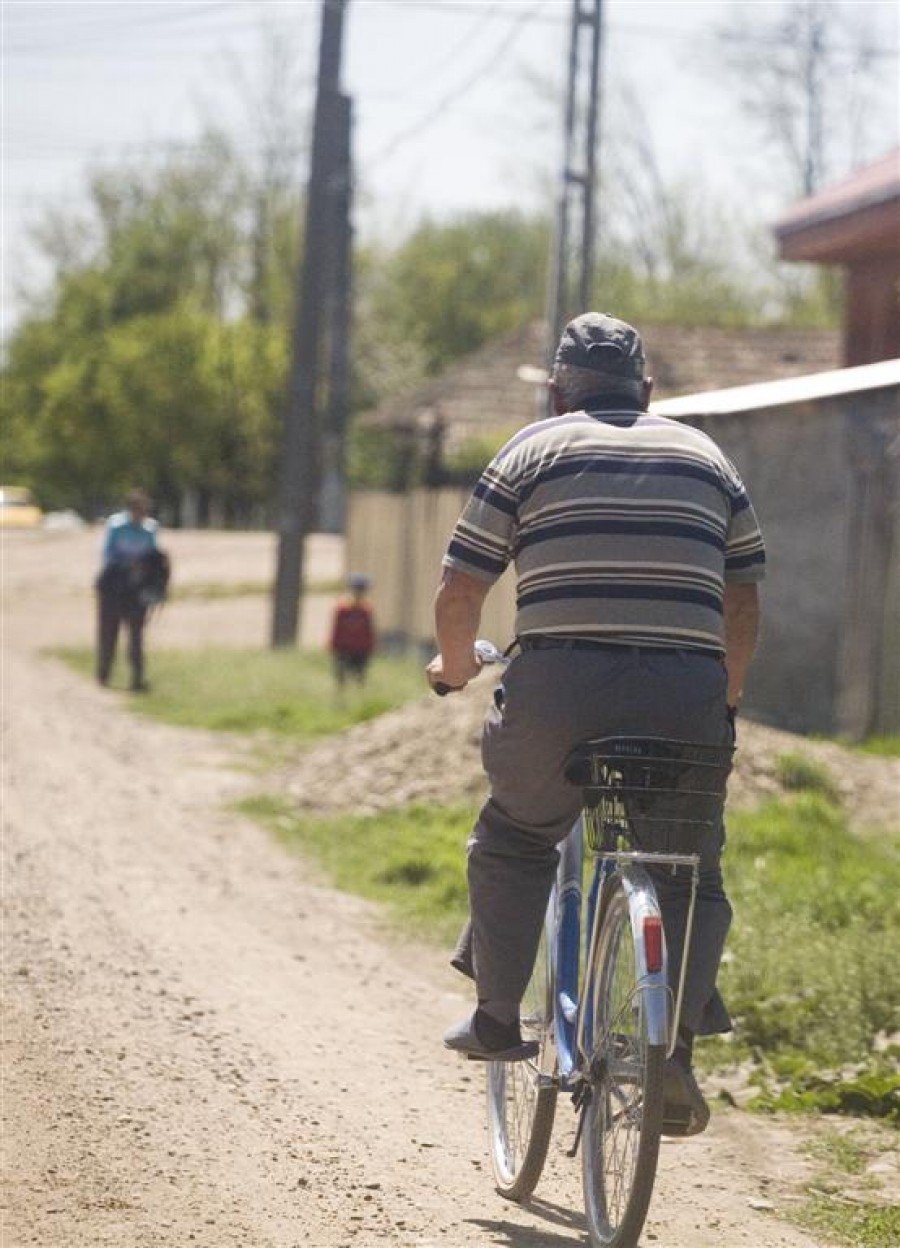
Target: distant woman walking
{"type": "Point", "coordinates": [133, 577]}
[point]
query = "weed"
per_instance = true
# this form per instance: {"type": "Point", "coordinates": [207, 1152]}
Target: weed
{"type": "Point", "coordinates": [851, 1222]}
{"type": "Point", "coordinates": [798, 773]}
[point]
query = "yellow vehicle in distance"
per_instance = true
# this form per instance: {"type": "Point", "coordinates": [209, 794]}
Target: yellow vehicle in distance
{"type": "Point", "coordinates": [18, 509]}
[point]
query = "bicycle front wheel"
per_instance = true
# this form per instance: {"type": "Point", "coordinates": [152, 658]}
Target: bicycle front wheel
{"type": "Point", "coordinates": [623, 1115]}
{"type": "Point", "coordinates": [520, 1108]}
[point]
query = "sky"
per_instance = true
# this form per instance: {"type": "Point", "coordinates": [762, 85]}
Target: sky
{"type": "Point", "coordinates": [458, 104]}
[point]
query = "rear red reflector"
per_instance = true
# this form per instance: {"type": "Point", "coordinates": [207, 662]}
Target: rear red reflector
{"type": "Point", "coordinates": [653, 942]}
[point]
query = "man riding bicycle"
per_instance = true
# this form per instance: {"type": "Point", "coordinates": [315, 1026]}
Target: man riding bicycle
{"type": "Point", "coordinates": [637, 555]}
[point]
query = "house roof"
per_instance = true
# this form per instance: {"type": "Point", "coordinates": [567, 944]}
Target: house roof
{"type": "Point", "coordinates": [783, 393]}
{"type": "Point", "coordinates": [859, 216]}
{"type": "Point", "coordinates": [498, 389]}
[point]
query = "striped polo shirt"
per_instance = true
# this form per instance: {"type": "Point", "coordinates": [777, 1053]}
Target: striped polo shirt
{"type": "Point", "coordinates": [623, 527]}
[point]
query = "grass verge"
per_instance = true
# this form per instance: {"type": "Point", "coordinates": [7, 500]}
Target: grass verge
{"type": "Point", "coordinates": [411, 860]}
{"type": "Point", "coordinates": [838, 1202]}
{"type": "Point", "coordinates": [882, 747]}
{"type": "Point", "coordinates": [285, 692]}
{"type": "Point", "coordinates": [810, 970]}
{"type": "Point", "coordinates": [213, 590]}
{"type": "Point", "coordinates": [853, 1222]}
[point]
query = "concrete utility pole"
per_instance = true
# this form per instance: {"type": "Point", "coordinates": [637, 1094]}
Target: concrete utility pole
{"type": "Point", "coordinates": [300, 450]}
{"type": "Point", "coordinates": [572, 261]}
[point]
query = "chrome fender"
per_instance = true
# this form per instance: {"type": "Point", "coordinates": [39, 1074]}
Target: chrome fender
{"type": "Point", "coordinates": [642, 904]}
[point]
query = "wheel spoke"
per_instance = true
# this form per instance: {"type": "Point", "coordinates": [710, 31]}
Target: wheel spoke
{"type": "Point", "coordinates": [621, 1144]}
{"type": "Point", "coordinates": [520, 1110]}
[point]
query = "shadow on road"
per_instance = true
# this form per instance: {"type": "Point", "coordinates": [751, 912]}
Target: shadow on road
{"type": "Point", "coordinates": [572, 1228]}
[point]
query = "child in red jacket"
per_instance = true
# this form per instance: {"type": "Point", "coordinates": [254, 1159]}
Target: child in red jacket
{"type": "Point", "coordinates": [353, 633]}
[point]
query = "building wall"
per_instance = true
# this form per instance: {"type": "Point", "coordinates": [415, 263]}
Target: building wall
{"type": "Point", "coordinates": [823, 477]}
{"type": "Point", "coordinates": [872, 310]}
{"type": "Point", "coordinates": [792, 464]}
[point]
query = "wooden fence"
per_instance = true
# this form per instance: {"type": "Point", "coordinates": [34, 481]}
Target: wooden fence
{"type": "Point", "coordinates": [399, 540]}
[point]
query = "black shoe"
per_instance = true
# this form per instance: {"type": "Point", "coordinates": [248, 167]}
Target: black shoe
{"type": "Point", "coordinates": [482, 1039]}
{"type": "Point", "coordinates": [685, 1111]}
{"type": "Point", "coordinates": [140, 686]}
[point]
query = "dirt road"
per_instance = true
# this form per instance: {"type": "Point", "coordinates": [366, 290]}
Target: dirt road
{"type": "Point", "coordinates": [205, 1046]}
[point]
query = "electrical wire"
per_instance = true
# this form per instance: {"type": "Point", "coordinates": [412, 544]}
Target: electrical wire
{"type": "Point", "coordinates": [95, 32]}
{"type": "Point", "coordinates": [432, 71]}
{"type": "Point", "coordinates": [438, 111]}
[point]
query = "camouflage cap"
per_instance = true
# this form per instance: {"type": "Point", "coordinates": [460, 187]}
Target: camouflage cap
{"type": "Point", "coordinates": [604, 344]}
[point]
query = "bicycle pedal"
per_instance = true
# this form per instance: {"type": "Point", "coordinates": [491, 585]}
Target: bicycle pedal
{"type": "Point", "coordinates": [679, 1125]}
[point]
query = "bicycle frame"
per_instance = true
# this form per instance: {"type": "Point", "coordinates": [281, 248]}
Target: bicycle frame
{"type": "Point", "coordinates": [571, 1018]}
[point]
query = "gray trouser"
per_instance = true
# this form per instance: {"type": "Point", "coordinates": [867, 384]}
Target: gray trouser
{"type": "Point", "coordinates": [548, 702]}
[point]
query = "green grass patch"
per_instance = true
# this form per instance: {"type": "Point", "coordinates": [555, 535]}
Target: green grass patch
{"type": "Point", "coordinates": [212, 590]}
{"type": "Point", "coordinates": [410, 860]}
{"type": "Point", "coordinates": [846, 1199]}
{"type": "Point", "coordinates": [851, 1222]}
{"type": "Point", "coordinates": [289, 693]}
{"type": "Point", "coordinates": [810, 970]}
{"type": "Point", "coordinates": [839, 1150]}
{"type": "Point", "coordinates": [875, 1093]}
{"type": "Point", "coordinates": [881, 747]}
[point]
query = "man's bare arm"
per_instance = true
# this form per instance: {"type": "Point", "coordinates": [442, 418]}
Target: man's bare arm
{"type": "Point", "coordinates": [457, 614]}
{"type": "Point", "coordinates": [741, 634]}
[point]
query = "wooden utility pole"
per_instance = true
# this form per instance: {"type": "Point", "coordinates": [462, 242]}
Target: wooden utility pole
{"type": "Point", "coordinates": [335, 412]}
{"type": "Point", "coordinates": [572, 259]}
{"type": "Point", "coordinates": [300, 451]}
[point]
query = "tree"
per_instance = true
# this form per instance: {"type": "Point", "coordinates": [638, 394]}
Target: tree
{"type": "Point", "coordinates": [809, 75]}
{"type": "Point", "coordinates": [452, 286]}
{"type": "Point", "coordinates": [140, 364]}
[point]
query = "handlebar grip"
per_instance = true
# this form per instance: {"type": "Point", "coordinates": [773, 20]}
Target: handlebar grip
{"type": "Point", "coordinates": [442, 690]}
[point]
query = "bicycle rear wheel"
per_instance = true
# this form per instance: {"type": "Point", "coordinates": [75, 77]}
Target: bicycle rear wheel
{"type": "Point", "coordinates": [623, 1117]}
{"type": "Point", "coordinates": [520, 1110]}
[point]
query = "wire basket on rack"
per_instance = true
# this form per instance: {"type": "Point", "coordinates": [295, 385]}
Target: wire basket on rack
{"type": "Point", "coordinates": [662, 796]}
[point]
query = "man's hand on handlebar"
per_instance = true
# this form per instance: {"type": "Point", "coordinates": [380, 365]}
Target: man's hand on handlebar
{"type": "Point", "coordinates": [450, 679]}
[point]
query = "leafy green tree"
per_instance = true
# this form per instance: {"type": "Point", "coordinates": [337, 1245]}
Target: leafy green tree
{"type": "Point", "coordinates": [450, 287]}
{"type": "Point", "coordinates": [142, 362]}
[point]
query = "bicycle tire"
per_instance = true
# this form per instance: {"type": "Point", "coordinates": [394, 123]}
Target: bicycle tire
{"type": "Point", "coordinates": [623, 1116]}
{"type": "Point", "coordinates": [520, 1110]}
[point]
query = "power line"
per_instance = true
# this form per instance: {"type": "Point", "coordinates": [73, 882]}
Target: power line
{"type": "Point", "coordinates": [102, 12]}
{"type": "Point", "coordinates": [437, 112]}
{"type": "Point", "coordinates": [496, 13]}
{"type": "Point", "coordinates": [148, 25]}
{"type": "Point", "coordinates": [771, 39]}
{"type": "Point", "coordinates": [433, 70]}
{"type": "Point", "coordinates": [106, 23]}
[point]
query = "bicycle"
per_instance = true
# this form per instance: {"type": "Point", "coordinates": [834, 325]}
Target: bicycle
{"type": "Point", "coordinates": [599, 1003]}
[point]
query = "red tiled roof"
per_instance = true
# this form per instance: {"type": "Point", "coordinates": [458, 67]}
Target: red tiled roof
{"type": "Point", "coordinates": [856, 219]}
{"type": "Point", "coordinates": [869, 186]}
{"type": "Point", "coordinates": [489, 394]}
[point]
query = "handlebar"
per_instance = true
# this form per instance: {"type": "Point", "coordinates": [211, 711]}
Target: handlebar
{"type": "Point", "coordinates": [486, 655]}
